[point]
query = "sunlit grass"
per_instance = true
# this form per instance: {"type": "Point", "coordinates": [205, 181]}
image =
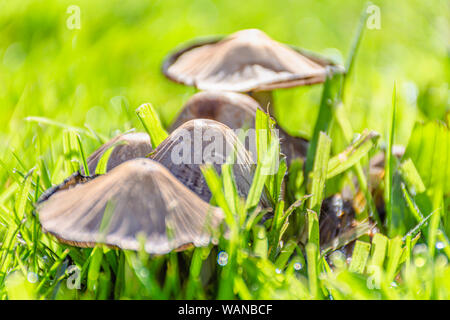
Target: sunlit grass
{"type": "Point", "coordinates": [64, 92]}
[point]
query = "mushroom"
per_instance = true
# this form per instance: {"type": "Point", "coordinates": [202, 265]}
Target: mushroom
{"type": "Point", "coordinates": [161, 198]}
{"type": "Point", "coordinates": [199, 138]}
{"type": "Point", "coordinates": [246, 61]}
{"type": "Point", "coordinates": [235, 110]}
{"type": "Point", "coordinates": [126, 146]}
{"type": "Point", "coordinates": [201, 141]}
{"type": "Point", "coordinates": [138, 197]}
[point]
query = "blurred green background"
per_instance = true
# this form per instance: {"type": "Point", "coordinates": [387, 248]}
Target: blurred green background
{"type": "Point", "coordinates": [97, 75]}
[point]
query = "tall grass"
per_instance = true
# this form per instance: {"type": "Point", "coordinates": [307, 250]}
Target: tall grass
{"type": "Point", "coordinates": [61, 98]}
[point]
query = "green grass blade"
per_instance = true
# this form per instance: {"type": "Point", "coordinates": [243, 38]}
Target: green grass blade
{"type": "Point", "coordinates": [379, 248]}
{"type": "Point", "coordinates": [274, 232]}
{"type": "Point", "coordinates": [229, 187]}
{"type": "Point", "coordinates": [94, 268]}
{"type": "Point", "coordinates": [354, 49]}
{"type": "Point", "coordinates": [353, 154]}
{"type": "Point", "coordinates": [412, 206]}
{"type": "Point", "coordinates": [319, 173]}
{"type": "Point", "coordinates": [216, 187]}
{"type": "Point", "coordinates": [312, 257]}
{"type": "Point", "coordinates": [261, 244]}
{"type": "Point", "coordinates": [275, 183]}
{"type": "Point", "coordinates": [194, 286]}
{"type": "Point", "coordinates": [102, 164]}
{"type": "Point", "coordinates": [330, 99]}
{"type": "Point", "coordinates": [295, 180]}
{"type": "Point", "coordinates": [313, 228]}
{"type": "Point", "coordinates": [359, 256]}
{"type": "Point", "coordinates": [285, 254]}
{"type": "Point", "coordinates": [45, 176]}
{"type": "Point", "coordinates": [152, 124]}
{"type": "Point", "coordinates": [263, 128]}
{"type": "Point", "coordinates": [83, 157]}
{"type": "Point", "coordinates": [394, 254]}
{"type": "Point", "coordinates": [24, 193]}
{"type": "Point", "coordinates": [414, 231]}
{"type": "Point", "coordinates": [241, 288]}
{"type": "Point", "coordinates": [263, 168]}
{"type": "Point", "coordinates": [43, 120]}
{"type": "Point", "coordinates": [389, 165]}
{"type": "Point", "coordinates": [412, 177]}
{"type": "Point", "coordinates": [70, 148]}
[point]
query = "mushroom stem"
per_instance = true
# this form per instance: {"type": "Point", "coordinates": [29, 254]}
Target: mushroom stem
{"type": "Point", "coordinates": [264, 98]}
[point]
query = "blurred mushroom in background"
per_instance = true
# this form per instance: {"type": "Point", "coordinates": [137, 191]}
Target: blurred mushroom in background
{"type": "Point", "coordinates": [139, 197]}
{"type": "Point", "coordinates": [247, 61]}
{"type": "Point", "coordinates": [237, 111]}
{"type": "Point", "coordinates": [234, 110]}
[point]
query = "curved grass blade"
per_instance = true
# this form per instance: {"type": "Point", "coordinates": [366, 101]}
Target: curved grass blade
{"type": "Point", "coordinates": [152, 124]}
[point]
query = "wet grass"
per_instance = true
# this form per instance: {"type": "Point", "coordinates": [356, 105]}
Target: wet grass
{"type": "Point", "coordinates": [64, 92]}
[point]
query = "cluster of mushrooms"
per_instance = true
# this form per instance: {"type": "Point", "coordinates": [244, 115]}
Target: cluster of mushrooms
{"type": "Point", "coordinates": [143, 194]}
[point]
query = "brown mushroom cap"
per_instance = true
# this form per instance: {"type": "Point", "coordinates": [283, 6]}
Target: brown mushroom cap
{"type": "Point", "coordinates": [235, 110]}
{"type": "Point", "coordinates": [139, 196]}
{"type": "Point", "coordinates": [127, 146]}
{"type": "Point", "coordinates": [247, 60]}
{"type": "Point", "coordinates": [196, 137]}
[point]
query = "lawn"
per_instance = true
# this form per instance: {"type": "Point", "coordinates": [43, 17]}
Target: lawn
{"type": "Point", "coordinates": [59, 80]}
